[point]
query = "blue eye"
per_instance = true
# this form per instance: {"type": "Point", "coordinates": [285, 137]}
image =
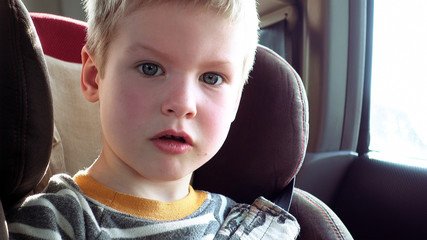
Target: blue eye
{"type": "Point", "coordinates": [150, 69]}
{"type": "Point", "coordinates": [211, 78]}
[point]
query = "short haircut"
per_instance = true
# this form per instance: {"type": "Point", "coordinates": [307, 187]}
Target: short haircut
{"type": "Point", "coordinates": [103, 16]}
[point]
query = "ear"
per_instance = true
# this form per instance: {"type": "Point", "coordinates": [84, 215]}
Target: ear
{"type": "Point", "coordinates": [89, 80]}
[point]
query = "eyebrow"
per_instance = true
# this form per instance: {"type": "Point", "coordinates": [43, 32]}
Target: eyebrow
{"type": "Point", "coordinates": [163, 55]}
{"type": "Point", "coordinates": [135, 47]}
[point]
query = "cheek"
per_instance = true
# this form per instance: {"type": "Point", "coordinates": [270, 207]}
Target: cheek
{"type": "Point", "coordinates": [215, 135]}
{"type": "Point", "coordinates": [122, 110]}
{"type": "Point", "coordinates": [217, 124]}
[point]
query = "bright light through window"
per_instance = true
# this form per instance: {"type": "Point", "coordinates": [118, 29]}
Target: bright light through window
{"type": "Point", "coordinates": [399, 79]}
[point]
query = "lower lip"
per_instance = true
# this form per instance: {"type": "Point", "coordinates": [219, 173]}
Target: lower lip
{"type": "Point", "coordinates": [171, 146]}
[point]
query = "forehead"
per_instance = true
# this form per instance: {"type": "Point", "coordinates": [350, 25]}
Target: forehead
{"type": "Point", "coordinates": [189, 32]}
{"type": "Point", "coordinates": [171, 12]}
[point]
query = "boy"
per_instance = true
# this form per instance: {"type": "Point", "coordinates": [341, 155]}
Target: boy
{"type": "Point", "coordinates": [168, 76]}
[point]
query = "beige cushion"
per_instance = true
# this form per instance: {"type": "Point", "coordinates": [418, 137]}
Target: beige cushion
{"type": "Point", "coordinates": [56, 161]}
{"type": "Point", "coordinates": [76, 119]}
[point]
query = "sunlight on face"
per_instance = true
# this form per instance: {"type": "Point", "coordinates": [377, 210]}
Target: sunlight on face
{"type": "Point", "coordinates": [170, 91]}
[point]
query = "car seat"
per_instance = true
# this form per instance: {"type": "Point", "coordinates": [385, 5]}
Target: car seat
{"type": "Point", "coordinates": [48, 127]}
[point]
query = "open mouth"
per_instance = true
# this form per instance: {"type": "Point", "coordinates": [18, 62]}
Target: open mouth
{"type": "Point", "coordinates": [174, 138]}
{"type": "Point", "coordinates": [171, 137]}
{"type": "Point", "coordinates": [173, 142]}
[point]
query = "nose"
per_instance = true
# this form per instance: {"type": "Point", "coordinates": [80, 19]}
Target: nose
{"type": "Point", "coordinates": [180, 99]}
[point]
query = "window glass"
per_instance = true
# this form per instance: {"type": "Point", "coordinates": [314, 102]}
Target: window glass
{"type": "Point", "coordinates": [399, 80]}
{"type": "Point", "coordinates": [273, 37]}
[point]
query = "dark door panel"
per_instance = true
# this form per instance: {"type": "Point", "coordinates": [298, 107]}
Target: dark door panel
{"type": "Point", "coordinates": [383, 200]}
{"type": "Point", "coordinates": [322, 173]}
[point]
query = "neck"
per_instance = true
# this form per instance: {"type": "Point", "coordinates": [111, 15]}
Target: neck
{"type": "Point", "coordinates": [121, 179]}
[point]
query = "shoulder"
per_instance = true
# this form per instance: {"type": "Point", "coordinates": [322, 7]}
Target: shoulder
{"type": "Point", "coordinates": [219, 199]}
{"type": "Point", "coordinates": [62, 207]}
{"type": "Point", "coordinates": [61, 187]}
{"type": "Point", "coordinates": [61, 192]}
{"type": "Point", "coordinates": [61, 183]}
{"type": "Point", "coordinates": [219, 202]}
{"type": "Point", "coordinates": [262, 219]}
{"type": "Point", "coordinates": [214, 209]}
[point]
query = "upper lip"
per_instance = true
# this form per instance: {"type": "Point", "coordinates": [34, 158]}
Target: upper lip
{"type": "Point", "coordinates": [176, 134]}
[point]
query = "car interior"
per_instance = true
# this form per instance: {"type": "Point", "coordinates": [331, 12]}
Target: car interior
{"type": "Point", "coordinates": [301, 136]}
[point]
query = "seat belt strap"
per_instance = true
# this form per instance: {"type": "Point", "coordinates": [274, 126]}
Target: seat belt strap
{"type": "Point", "coordinates": [284, 198]}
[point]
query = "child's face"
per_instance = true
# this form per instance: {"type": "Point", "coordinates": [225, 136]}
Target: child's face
{"type": "Point", "coordinates": [170, 90]}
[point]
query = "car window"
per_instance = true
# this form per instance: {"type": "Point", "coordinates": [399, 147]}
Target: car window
{"type": "Point", "coordinates": [399, 81]}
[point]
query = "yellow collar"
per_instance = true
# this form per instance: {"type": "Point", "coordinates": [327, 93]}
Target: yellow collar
{"type": "Point", "coordinates": [140, 207]}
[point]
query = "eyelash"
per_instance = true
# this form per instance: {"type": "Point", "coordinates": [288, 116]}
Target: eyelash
{"type": "Point", "coordinates": [154, 70]}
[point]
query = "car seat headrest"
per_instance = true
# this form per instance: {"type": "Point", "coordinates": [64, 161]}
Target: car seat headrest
{"type": "Point", "coordinates": [61, 37]}
{"type": "Point", "coordinates": [26, 122]}
{"type": "Point", "coordinates": [267, 141]}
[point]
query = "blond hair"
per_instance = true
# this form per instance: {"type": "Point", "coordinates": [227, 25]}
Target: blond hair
{"type": "Point", "coordinates": [103, 16]}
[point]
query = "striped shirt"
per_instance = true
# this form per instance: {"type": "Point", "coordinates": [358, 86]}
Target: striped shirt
{"type": "Point", "coordinates": [64, 212]}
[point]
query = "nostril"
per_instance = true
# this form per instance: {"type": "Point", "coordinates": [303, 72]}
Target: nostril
{"type": "Point", "coordinates": [179, 110]}
{"type": "Point", "coordinates": [190, 114]}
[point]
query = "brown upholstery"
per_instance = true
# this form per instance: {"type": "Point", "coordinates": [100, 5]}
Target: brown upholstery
{"type": "Point", "coordinates": [318, 221]}
{"type": "Point", "coordinates": [266, 146]}
{"type": "Point", "coordinates": [26, 122]}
